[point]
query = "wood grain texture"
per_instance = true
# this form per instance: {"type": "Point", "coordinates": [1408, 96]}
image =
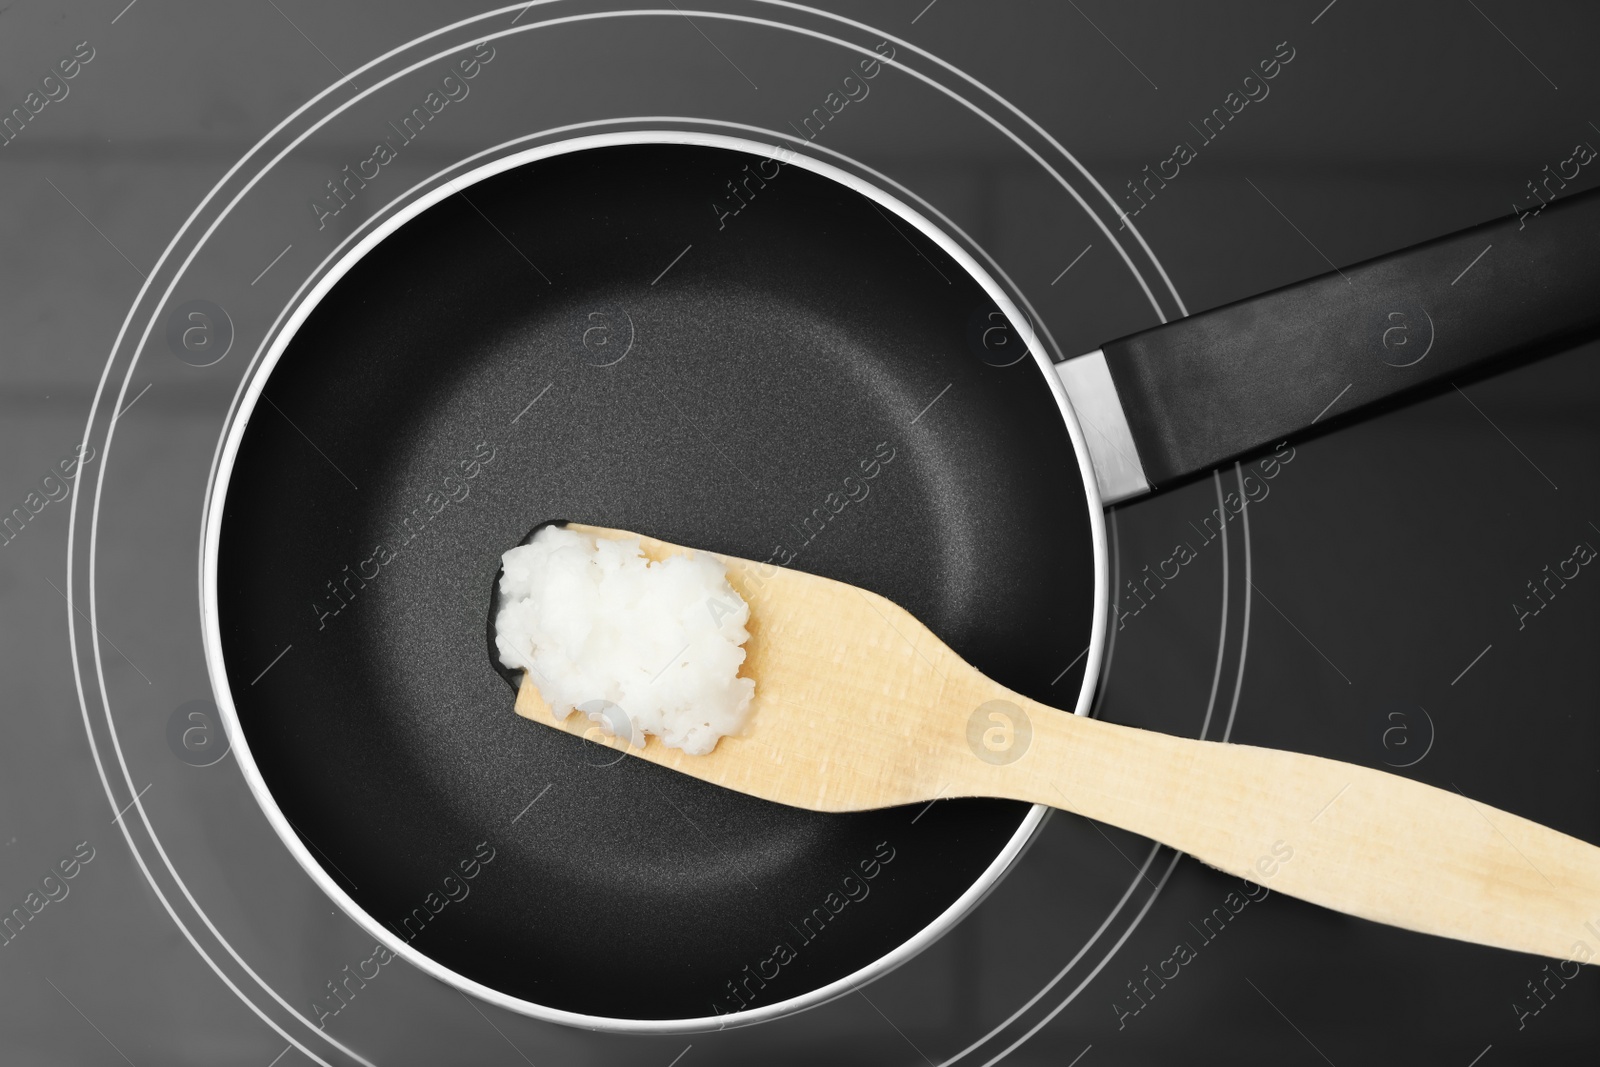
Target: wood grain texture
{"type": "Point", "coordinates": [858, 705]}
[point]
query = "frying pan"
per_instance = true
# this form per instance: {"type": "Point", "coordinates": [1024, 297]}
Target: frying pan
{"type": "Point", "coordinates": [824, 379]}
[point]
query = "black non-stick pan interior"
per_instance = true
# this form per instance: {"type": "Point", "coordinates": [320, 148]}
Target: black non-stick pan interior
{"type": "Point", "coordinates": [524, 352]}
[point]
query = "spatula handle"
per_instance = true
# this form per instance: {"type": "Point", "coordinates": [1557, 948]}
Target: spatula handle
{"type": "Point", "coordinates": [1351, 838]}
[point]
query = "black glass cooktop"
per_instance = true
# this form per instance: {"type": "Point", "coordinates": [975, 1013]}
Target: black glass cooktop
{"type": "Point", "coordinates": [1409, 593]}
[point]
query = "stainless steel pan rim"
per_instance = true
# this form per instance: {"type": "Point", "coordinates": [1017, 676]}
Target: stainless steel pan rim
{"type": "Point", "coordinates": [212, 522]}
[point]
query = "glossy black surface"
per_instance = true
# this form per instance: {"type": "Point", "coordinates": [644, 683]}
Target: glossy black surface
{"type": "Point", "coordinates": [1363, 610]}
{"type": "Point", "coordinates": [797, 340]}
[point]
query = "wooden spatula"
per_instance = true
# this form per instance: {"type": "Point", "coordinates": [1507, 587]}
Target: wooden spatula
{"type": "Point", "coordinates": [858, 705]}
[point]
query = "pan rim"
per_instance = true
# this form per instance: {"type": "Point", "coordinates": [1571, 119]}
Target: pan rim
{"type": "Point", "coordinates": [1020, 839]}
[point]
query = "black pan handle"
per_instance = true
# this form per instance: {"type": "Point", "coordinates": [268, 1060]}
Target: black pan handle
{"type": "Point", "coordinates": [1206, 389]}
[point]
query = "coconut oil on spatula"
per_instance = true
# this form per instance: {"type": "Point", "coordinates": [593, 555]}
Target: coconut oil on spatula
{"type": "Point", "coordinates": [857, 705]}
